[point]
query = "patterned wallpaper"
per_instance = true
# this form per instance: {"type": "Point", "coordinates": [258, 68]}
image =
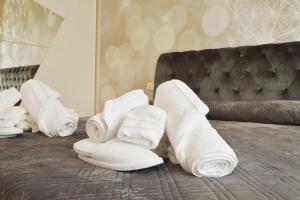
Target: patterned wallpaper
{"type": "Point", "coordinates": [26, 32]}
{"type": "Point", "coordinates": [135, 32]}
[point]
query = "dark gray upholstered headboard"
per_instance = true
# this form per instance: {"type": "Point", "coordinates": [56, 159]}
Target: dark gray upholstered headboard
{"type": "Point", "coordinates": [265, 72]}
{"type": "Point", "coordinates": [16, 76]}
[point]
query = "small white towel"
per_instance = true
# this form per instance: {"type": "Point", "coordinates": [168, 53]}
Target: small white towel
{"type": "Point", "coordinates": [11, 116]}
{"type": "Point", "coordinates": [198, 147]}
{"type": "Point", "coordinates": [143, 125]}
{"type": "Point", "coordinates": [10, 132]}
{"type": "Point", "coordinates": [51, 117]}
{"type": "Point", "coordinates": [9, 98]}
{"type": "Point", "coordinates": [104, 126]}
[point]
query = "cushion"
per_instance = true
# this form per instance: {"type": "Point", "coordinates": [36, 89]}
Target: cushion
{"type": "Point", "coordinates": [285, 112]}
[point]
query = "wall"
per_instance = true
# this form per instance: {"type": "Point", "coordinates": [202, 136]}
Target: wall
{"type": "Point", "coordinates": [26, 32]}
{"type": "Point", "coordinates": [135, 32]}
{"type": "Point", "coordinates": [69, 66]}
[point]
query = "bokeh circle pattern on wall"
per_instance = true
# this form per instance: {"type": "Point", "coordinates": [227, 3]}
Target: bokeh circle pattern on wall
{"type": "Point", "coordinates": [164, 38]}
{"type": "Point", "coordinates": [126, 54]}
{"type": "Point", "coordinates": [215, 20]}
{"type": "Point", "coordinates": [176, 17]}
{"type": "Point", "coordinates": [107, 92]}
{"type": "Point", "coordinates": [140, 37]}
{"type": "Point", "coordinates": [112, 56]}
{"type": "Point", "coordinates": [188, 40]}
{"type": "Point", "coordinates": [133, 22]}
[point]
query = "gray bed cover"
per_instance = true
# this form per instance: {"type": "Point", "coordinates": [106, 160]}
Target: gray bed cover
{"type": "Point", "coordinates": [33, 166]}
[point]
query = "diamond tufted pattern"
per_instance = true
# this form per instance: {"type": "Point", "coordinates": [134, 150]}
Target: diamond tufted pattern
{"type": "Point", "coordinates": [15, 77]}
{"type": "Point", "coordinates": [264, 72]}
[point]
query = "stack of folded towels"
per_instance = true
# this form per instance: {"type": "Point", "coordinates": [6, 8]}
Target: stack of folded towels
{"type": "Point", "coordinates": [40, 107]}
{"type": "Point", "coordinates": [123, 135]}
{"type": "Point", "coordinates": [13, 119]}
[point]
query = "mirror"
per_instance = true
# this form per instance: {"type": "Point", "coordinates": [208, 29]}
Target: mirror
{"type": "Point", "coordinates": [27, 30]}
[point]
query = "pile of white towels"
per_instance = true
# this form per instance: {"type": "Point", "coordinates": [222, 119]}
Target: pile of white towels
{"type": "Point", "coordinates": [123, 136]}
{"type": "Point", "coordinates": [13, 119]}
{"type": "Point", "coordinates": [40, 110]}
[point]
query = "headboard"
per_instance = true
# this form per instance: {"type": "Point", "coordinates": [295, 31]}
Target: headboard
{"type": "Point", "coordinates": [264, 72]}
{"type": "Point", "coordinates": [16, 76]}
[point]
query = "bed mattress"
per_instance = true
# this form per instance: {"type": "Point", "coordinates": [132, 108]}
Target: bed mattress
{"type": "Point", "coordinates": [33, 166]}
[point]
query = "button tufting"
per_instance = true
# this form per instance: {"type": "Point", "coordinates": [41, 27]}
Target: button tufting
{"type": "Point", "coordinates": [208, 72]}
{"type": "Point", "coordinates": [259, 90]}
{"type": "Point", "coordinates": [227, 74]}
{"type": "Point", "coordinates": [273, 71]}
{"type": "Point", "coordinates": [173, 75]}
{"type": "Point", "coordinates": [285, 91]}
{"type": "Point", "coordinates": [197, 90]}
{"type": "Point", "coordinates": [236, 90]}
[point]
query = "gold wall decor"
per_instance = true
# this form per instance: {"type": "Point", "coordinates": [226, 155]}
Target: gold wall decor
{"type": "Point", "coordinates": [135, 32]}
{"type": "Point", "coordinates": [27, 30]}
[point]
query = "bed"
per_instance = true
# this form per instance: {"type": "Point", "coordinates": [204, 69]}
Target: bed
{"type": "Point", "coordinates": [33, 166]}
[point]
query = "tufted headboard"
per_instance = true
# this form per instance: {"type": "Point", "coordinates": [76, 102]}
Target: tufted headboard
{"type": "Point", "coordinates": [16, 76]}
{"type": "Point", "coordinates": [264, 72]}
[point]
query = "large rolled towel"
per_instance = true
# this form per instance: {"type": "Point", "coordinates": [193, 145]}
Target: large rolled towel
{"type": "Point", "coordinates": [9, 98]}
{"type": "Point", "coordinates": [116, 155]}
{"type": "Point", "coordinates": [104, 126]}
{"type": "Point", "coordinates": [198, 147]}
{"type": "Point", "coordinates": [46, 110]}
{"type": "Point", "coordinates": [143, 125]}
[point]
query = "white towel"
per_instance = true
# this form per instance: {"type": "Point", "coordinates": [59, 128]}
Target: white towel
{"type": "Point", "coordinates": [143, 125]}
{"type": "Point", "coordinates": [198, 147]}
{"type": "Point", "coordinates": [51, 117]}
{"type": "Point", "coordinates": [9, 97]}
{"type": "Point", "coordinates": [11, 116]}
{"type": "Point", "coordinates": [116, 155]}
{"type": "Point", "coordinates": [104, 126]}
{"type": "Point", "coordinates": [8, 132]}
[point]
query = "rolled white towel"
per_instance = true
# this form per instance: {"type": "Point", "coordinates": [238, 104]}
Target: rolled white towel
{"type": "Point", "coordinates": [143, 125]}
{"type": "Point", "coordinates": [9, 98]}
{"type": "Point", "coordinates": [198, 147]}
{"type": "Point", "coordinates": [103, 126]}
{"type": "Point", "coordinates": [45, 109]}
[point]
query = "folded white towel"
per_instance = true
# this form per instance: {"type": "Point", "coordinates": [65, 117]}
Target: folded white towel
{"type": "Point", "coordinates": [11, 116]}
{"type": "Point", "coordinates": [9, 97]}
{"type": "Point", "coordinates": [8, 132]}
{"type": "Point", "coordinates": [116, 154]}
{"type": "Point", "coordinates": [143, 125]}
{"type": "Point", "coordinates": [198, 147]}
{"type": "Point", "coordinates": [51, 117]}
{"type": "Point", "coordinates": [103, 126]}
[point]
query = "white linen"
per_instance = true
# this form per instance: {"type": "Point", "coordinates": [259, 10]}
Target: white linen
{"type": "Point", "coordinates": [11, 116]}
{"type": "Point", "coordinates": [116, 155]}
{"type": "Point", "coordinates": [8, 132]}
{"type": "Point", "coordinates": [51, 117]}
{"type": "Point", "coordinates": [104, 126]}
{"type": "Point", "coordinates": [143, 125]}
{"type": "Point", "coordinates": [9, 97]}
{"type": "Point", "coordinates": [198, 147]}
